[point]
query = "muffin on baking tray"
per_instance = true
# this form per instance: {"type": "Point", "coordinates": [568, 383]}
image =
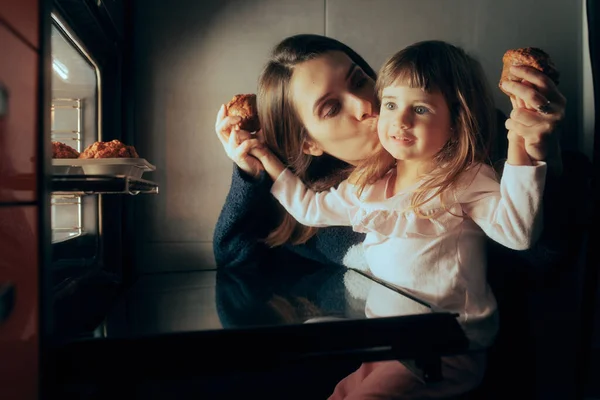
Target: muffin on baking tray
{"type": "Point", "coordinates": [113, 149]}
{"type": "Point", "coordinates": [61, 150]}
{"type": "Point", "coordinates": [244, 106]}
{"type": "Point", "coordinates": [529, 56]}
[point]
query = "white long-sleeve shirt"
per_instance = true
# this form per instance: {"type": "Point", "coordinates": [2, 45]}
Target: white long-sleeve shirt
{"type": "Point", "coordinates": [441, 259]}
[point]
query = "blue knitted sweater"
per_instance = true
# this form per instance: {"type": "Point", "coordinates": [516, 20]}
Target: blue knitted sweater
{"type": "Point", "coordinates": [250, 213]}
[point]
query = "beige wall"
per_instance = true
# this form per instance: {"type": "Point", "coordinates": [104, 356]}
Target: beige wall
{"type": "Point", "coordinates": [191, 56]}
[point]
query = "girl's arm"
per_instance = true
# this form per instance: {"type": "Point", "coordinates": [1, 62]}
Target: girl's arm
{"type": "Point", "coordinates": [310, 208]}
{"type": "Point", "coordinates": [250, 213]}
{"type": "Point", "coordinates": [517, 153]}
{"type": "Point", "coordinates": [538, 129]}
{"type": "Point", "coordinates": [510, 212]}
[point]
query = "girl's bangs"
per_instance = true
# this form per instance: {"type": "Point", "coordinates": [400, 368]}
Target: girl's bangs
{"type": "Point", "coordinates": [414, 73]}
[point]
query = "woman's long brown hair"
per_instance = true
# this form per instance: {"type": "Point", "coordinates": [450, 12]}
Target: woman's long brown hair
{"type": "Point", "coordinates": [284, 132]}
{"type": "Point", "coordinates": [439, 66]}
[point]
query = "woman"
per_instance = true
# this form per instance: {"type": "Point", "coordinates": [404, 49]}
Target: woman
{"type": "Point", "coordinates": [321, 139]}
{"type": "Point", "coordinates": [318, 112]}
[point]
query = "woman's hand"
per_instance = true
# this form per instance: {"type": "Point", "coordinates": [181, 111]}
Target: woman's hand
{"type": "Point", "coordinates": [538, 108]}
{"type": "Point", "coordinates": [238, 143]}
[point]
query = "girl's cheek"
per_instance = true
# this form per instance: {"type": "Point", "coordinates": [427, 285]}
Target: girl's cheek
{"type": "Point", "coordinates": [381, 127]}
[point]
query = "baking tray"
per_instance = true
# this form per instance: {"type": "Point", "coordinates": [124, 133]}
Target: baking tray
{"type": "Point", "coordinates": [132, 167]}
{"type": "Point", "coordinates": [101, 184]}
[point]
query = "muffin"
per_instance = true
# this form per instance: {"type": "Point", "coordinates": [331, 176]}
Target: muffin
{"type": "Point", "coordinates": [529, 56]}
{"type": "Point", "coordinates": [61, 150]}
{"type": "Point", "coordinates": [112, 149]}
{"type": "Point", "coordinates": [244, 106]}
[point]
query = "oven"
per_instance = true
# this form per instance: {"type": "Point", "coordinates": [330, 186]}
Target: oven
{"type": "Point", "coordinates": [79, 320]}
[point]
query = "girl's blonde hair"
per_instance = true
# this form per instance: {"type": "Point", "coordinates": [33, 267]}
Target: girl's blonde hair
{"type": "Point", "coordinates": [283, 130]}
{"type": "Point", "coordinates": [439, 66]}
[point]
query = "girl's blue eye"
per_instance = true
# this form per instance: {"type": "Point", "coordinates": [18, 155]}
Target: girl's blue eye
{"type": "Point", "coordinates": [390, 106]}
{"type": "Point", "coordinates": [421, 110]}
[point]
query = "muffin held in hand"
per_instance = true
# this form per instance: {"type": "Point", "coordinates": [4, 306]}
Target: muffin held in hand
{"type": "Point", "coordinates": [112, 149]}
{"type": "Point", "coordinates": [531, 57]}
{"type": "Point", "coordinates": [244, 106]}
{"type": "Point", "coordinates": [61, 150]}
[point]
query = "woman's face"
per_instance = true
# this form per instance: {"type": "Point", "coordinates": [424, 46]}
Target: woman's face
{"type": "Point", "coordinates": [336, 102]}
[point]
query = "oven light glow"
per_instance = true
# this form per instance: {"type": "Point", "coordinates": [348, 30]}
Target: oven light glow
{"type": "Point", "coordinates": [61, 69]}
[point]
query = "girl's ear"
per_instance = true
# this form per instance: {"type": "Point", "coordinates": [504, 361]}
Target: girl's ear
{"type": "Point", "coordinates": [312, 148]}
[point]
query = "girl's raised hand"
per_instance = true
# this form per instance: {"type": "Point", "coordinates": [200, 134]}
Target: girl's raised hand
{"type": "Point", "coordinates": [270, 162]}
{"type": "Point", "coordinates": [538, 109]}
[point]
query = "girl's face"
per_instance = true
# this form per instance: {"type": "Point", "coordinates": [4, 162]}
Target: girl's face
{"type": "Point", "coordinates": [337, 104]}
{"type": "Point", "coordinates": [413, 124]}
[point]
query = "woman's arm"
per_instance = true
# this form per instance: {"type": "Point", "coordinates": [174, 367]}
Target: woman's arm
{"type": "Point", "coordinates": [249, 211]}
{"type": "Point", "coordinates": [237, 143]}
{"type": "Point", "coordinates": [247, 217]}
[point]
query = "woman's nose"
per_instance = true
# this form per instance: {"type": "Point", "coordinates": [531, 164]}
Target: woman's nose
{"type": "Point", "coordinates": [363, 108]}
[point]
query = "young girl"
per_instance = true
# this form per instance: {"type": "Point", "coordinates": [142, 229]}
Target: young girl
{"type": "Point", "coordinates": [428, 197]}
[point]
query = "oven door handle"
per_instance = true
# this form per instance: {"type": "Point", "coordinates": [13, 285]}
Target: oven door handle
{"type": "Point", "coordinates": [3, 101]}
{"type": "Point", "coordinates": [7, 300]}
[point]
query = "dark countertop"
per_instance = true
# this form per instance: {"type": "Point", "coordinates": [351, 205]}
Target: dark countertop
{"type": "Point", "coordinates": [242, 298]}
{"type": "Point", "coordinates": [196, 323]}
